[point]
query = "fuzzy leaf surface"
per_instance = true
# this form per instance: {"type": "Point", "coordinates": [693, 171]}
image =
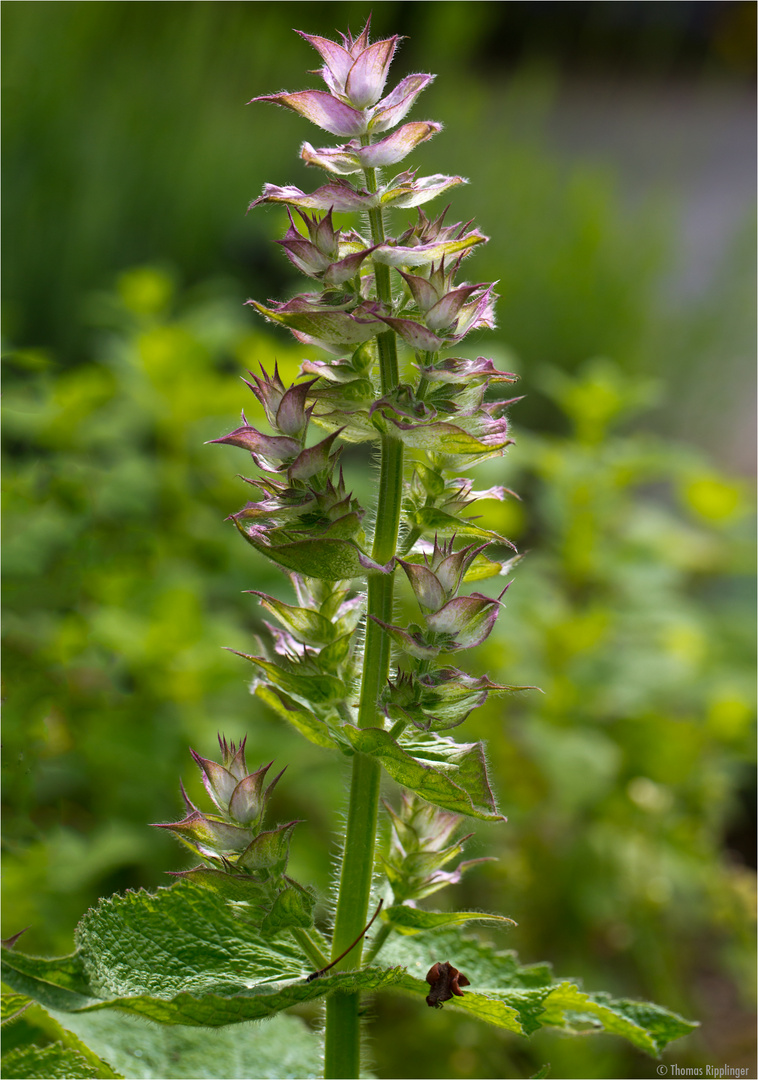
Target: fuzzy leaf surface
{"type": "Point", "coordinates": [449, 774]}
{"type": "Point", "coordinates": [179, 956]}
{"type": "Point", "coordinates": [524, 998]}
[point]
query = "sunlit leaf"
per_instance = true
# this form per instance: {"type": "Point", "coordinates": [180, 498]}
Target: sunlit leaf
{"type": "Point", "coordinates": [449, 774]}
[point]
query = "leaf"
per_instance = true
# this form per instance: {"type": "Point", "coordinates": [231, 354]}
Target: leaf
{"type": "Point", "coordinates": [482, 568]}
{"type": "Point", "coordinates": [647, 1026]}
{"type": "Point", "coordinates": [468, 761]}
{"type": "Point", "coordinates": [318, 688]}
{"type": "Point", "coordinates": [431, 521]}
{"type": "Point", "coordinates": [420, 191]}
{"type": "Point", "coordinates": [30, 1053]}
{"type": "Point", "coordinates": [332, 658]}
{"type": "Point", "coordinates": [54, 1062]}
{"type": "Point", "coordinates": [438, 437]}
{"type": "Point", "coordinates": [292, 907]}
{"type": "Point", "coordinates": [449, 774]}
{"type": "Point", "coordinates": [307, 723]}
{"type": "Point", "coordinates": [322, 109]}
{"type": "Point", "coordinates": [410, 920]}
{"type": "Point", "coordinates": [269, 850]}
{"type": "Point", "coordinates": [335, 196]}
{"type": "Point", "coordinates": [354, 426]}
{"type": "Point", "coordinates": [281, 1047]}
{"type": "Point", "coordinates": [178, 956]}
{"type": "Point", "coordinates": [12, 1005]}
{"type": "Point", "coordinates": [329, 560]}
{"type": "Point", "coordinates": [306, 624]}
{"type": "Point", "coordinates": [422, 339]}
{"type": "Point", "coordinates": [525, 998]}
{"type": "Point", "coordinates": [394, 254]}
{"type": "Point", "coordinates": [329, 324]}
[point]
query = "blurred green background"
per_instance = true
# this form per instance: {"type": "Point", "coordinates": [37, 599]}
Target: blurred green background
{"type": "Point", "coordinates": [609, 152]}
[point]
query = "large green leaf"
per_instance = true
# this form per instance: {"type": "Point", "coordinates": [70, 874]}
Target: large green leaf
{"type": "Point", "coordinates": [185, 957]}
{"type": "Point", "coordinates": [525, 998]}
{"type": "Point", "coordinates": [180, 956]}
{"type": "Point", "coordinates": [449, 774]}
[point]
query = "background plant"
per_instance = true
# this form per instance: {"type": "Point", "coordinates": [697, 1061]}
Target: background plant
{"type": "Point", "coordinates": [118, 664]}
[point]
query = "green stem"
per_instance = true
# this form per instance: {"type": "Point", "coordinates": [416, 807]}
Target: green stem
{"type": "Point", "coordinates": [380, 937]}
{"type": "Point", "coordinates": [342, 1045]}
{"type": "Point", "coordinates": [398, 728]}
{"type": "Point", "coordinates": [310, 948]}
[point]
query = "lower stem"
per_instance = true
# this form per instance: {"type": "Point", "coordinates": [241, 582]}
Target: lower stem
{"type": "Point", "coordinates": [342, 1056]}
{"type": "Point", "coordinates": [342, 1045]}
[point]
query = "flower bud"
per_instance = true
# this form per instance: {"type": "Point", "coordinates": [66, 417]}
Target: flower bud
{"type": "Point", "coordinates": [269, 390]}
{"type": "Point", "coordinates": [355, 70]}
{"type": "Point", "coordinates": [465, 621]}
{"type": "Point", "coordinates": [418, 851]}
{"type": "Point", "coordinates": [230, 840]}
{"type": "Point", "coordinates": [292, 416]}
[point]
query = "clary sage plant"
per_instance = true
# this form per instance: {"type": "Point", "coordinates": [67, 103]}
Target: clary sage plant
{"type": "Point", "coordinates": [234, 937]}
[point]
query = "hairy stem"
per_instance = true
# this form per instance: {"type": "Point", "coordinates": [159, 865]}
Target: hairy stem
{"type": "Point", "coordinates": [342, 1048]}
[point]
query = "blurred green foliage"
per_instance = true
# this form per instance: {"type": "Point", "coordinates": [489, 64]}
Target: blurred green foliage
{"type": "Point", "coordinates": [123, 584]}
{"type": "Point", "coordinates": [627, 782]}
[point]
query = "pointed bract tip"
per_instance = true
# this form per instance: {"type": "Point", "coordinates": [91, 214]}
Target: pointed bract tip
{"type": "Point", "coordinates": [9, 942]}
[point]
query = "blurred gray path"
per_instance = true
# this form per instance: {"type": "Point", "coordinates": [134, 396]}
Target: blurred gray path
{"type": "Point", "coordinates": [695, 141]}
{"type": "Point", "coordinates": [694, 144]}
